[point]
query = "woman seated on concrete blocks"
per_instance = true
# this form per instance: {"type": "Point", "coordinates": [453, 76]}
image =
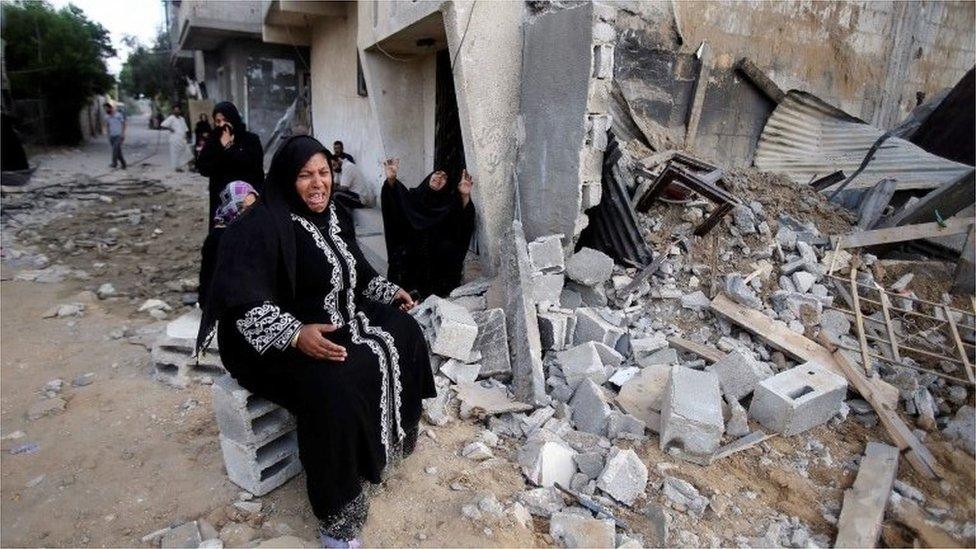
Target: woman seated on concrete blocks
{"type": "Point", "coordinates": [302, 319]}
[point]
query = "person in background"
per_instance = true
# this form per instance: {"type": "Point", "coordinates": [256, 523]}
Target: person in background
{"type": "Point", "coordinates": [428, 229]}
{"type": "Point", "coordinates": [115, 122]}
{"type": "Point", "coordinates": [339, 150]}
{"type": "Point", "coordinates": [201, 131]}
{"type": "Point", "coordinates": [235, 199]}
{"type": "Point", "coordinates": [179, 151]}
{"type": "Point", "coordinates": [231, 153]}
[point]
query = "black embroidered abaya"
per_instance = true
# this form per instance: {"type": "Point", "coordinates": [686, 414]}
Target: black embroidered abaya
{"type": "Point", "coordinates": [427, 236]}
{"type": "Point", "coordinates": [281, 266]}
{"type": "Point", "coordinates": [242, 161]}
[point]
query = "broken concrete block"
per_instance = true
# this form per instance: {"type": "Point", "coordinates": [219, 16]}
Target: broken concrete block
{"type": "Point", "coordinates": [590, 409]}
{"type": "Point", "coordinates": [625, 426]}
{"type": "Point", "coordinates": [528, 376]}
{"type": "Point", "coordinates": [581, 362]}
{"type": "Point", "coordinates": [261, 468]}
{"type": "Point", "coordinates": [492, 343]}
{"type": "Point", "coordinates": [545, 462]}
{"type": "Point", "coordinates": [454, 331]}
{"type": "Point", "coordinates": [542, 502]}
{"type": "Point", "coordinates": [835, 324]}
{"type": "Point", "coordinates": [662, 356]}
{"type": "Point", "coordinates": [184, 535]}
{"type": "Point", "coordinates": [683, 495]}
{"type": "Point", "coordinates": [609, 356]}
{"type": "Point", "coordinates": [552, 329]}
{"type": "Point", "coordinates": [624, 477]}
{"type": "Point", "coordinates": [696, 301]}
{"type": "Point", "coordinates": [641, 396]}
{"type": "Point", "coordinates": [644, 346]}
{"type": "Point", "coordinates": [435, 409]}
{"type": "Point", "coordinates": [738, 423]}
{"type": "Point", "coordinates": [590, 464]}
{"type": "Point", "coordinates": [547, 288]}
{"type": "Point", "coordinates": [590, 296]}
{"type": "Point", "coordinates": [245, 417]}
{"type": "Point", "coordinates": [797, 399]}
{"type": "Point", "coordinates": [803, 281]}
{"type": "Point", "coordinates": [460, 372]}
{"type": "Point", "coordinates": [546, 254]}
{"type": "Point", "coordinates": [487, 398]}
{"type": "Point", "coordinates": [603, 61]}
{"type": "Point", "coordinates": [740, 292]}
{"type": "Point", "coordinates": [738, 373]}
{"type": "Point", "coordinates": [961, 430]}
{"type": "Point", "coordinates": [477, 450]}
{"type": "Point", "coordinates": [589, 267]}
{"type": "Point", "coordinates": [576, 530]}
{"type": "Point", "coordinates": [691, 411]}
{"type": "Point", "coordinates": [591, 191]}
{"type": "Point", "coordinates": [623, 375]}
{"type": "Point", "coordinates": [590, 326]}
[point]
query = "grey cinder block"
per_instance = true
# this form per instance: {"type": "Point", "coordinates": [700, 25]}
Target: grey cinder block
{"type": "Point", "coordinates": [797, 399]}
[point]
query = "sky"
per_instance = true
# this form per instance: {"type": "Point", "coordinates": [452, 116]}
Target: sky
{"type": "Point", "coordinates": [140, 18]}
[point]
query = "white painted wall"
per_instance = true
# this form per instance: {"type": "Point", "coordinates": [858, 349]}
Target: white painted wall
{"type": "Point", "coordinates": [338, 111]}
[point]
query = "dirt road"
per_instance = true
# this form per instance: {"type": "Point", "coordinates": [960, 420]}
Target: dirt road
{"type": "Point", "coordinates": [128, 455]}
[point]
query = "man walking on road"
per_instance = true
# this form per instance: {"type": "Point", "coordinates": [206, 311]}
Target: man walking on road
{"type": "Point", "coordinates": [115, 121]}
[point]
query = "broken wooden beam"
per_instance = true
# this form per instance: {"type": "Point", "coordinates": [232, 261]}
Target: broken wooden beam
{"type": "Point", "coordinates": [708, 353]}
{"type": "Point", "coordinates": [698, 98]}
{"type": "Point", "coordinates": [859, 323]}
{"type": "Point", "coordinates": [948, 200]}
{"type": "Point", "coordinates": [864, 505]}
{"type": "Point", "coordinates": [904, 233]}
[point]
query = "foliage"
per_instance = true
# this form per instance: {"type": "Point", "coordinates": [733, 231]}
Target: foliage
{"type": "Point", "coordinates": [58, 56]}
{"type": "Point", "coordinates": [147, 71]}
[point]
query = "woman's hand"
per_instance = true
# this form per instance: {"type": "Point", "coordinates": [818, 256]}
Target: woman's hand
{"type": "Point", "coordinates": [391, 167]}
{"type": "Point", "coordinates": [403, 300]}
{"type": "Point", "coordinates": [226, 135]}
{"type": "Point", "coordinates": [464, 187]}
{"type": "Point", "coordinates": [312, 342]}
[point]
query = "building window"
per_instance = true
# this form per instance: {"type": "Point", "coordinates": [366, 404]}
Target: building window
{"type": "Point", "coordinates": [360, 78]}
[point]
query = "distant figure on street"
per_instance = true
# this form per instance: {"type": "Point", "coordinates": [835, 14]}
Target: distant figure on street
{"type": "Point", "coordinates": [350, 178]}
{"type": "Point", "coordinates": [115, 122]}
{"type": "Point", "coordinates": [179, 151]}
{"type": "Point", "coordinates": [231, 153]}
{"type": "Point", "coordinates": [235, 199]}
{"type": "Point", "coordinates": [427, 229]}
{"type": "Point", "coordinates": [201, 131]}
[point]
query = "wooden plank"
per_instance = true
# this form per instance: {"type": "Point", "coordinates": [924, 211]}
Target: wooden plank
{"type": "Point", "coordinates": [901, 434]}
{"type": "Point", "coordinates": [954, 331]}
{"type": "Point", "coordinates": [928, 534]}
{"type": "Point", "coordinates": [859, 323]}
{"type": "Point", "coordinates": [741, 444]}
{"type": "Point", "coordinates": [708, 353]}
{"type": "Point", "coordinates": [698, 99]}
{"type": "Point", "coordinates": [892, 235]}
{"type": "Point", "coordinates": [780, 337]}
{"type": "Point", "coordinates": [864, 505]}
{"type": "Point", "coordinates": [885, 305]}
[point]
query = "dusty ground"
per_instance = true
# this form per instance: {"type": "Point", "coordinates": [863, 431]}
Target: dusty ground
{"type": "Point", "coordinates": [129, 455]}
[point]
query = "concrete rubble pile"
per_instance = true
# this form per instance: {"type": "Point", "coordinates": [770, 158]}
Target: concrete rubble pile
{"type": "Point", "coordinates": [590, 371]}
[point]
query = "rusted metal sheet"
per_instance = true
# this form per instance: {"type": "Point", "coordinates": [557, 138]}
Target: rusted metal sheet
{"type": "Point", "coordinates": [807, 138]}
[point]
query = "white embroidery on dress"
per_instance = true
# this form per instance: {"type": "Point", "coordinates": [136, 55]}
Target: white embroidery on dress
{"type": "Point", "coordinates": [267, 326]}
{"type": "Point", "coordinates": [331, 304]}
{"type": "Point", "coordinates": [357, 320]}
{"type": "Point", "coordinates": [381, 290]}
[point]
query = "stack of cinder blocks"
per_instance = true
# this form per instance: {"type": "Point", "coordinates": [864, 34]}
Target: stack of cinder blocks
{"type": "Point", "coordinates": [257, 437]}
{"type": "Point", "coordinates": [172, 354]}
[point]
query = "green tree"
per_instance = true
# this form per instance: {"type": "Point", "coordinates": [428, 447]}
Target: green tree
{"type": "Point", "coordinates": [147, 71]}
{"type": "Point", "coordinates": [58, 56]}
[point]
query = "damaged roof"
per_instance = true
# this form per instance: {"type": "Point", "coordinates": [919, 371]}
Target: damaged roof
{"type": "Point", "coordinates": [806, 138]}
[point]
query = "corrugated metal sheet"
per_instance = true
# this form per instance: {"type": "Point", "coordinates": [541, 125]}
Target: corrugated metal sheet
{"type": "Point", "coordinates": [805, 137]}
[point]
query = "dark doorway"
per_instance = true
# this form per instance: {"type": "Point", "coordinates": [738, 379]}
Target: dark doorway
{"type": "Point", "coordinates": [448, 145]}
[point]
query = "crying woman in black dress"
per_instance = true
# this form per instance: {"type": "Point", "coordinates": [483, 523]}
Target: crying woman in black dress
{"type": "Point", "coordinates": [302, 319]}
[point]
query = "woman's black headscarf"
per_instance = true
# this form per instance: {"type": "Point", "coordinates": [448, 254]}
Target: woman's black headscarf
{"type": "Point", "coordinates": [423, 207]}
{"type": "Point", "coordinates": [259, 246]}
{"type": "Point", "coordinates": [231, 114]}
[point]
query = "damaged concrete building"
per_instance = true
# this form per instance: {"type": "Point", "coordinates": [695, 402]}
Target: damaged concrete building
{"type": "Point", "coordinates": [520, 92]}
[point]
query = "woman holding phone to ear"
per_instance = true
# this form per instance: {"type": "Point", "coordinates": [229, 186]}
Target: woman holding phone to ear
{"type": "Point", "coordinates": [231, 153]}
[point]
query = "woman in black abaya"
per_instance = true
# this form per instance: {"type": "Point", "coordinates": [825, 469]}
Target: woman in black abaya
{"type": "Point", "coordinates": [427, 229]}
{"type": "Point", "coordinates": [303, 320]}
{"type": "Point", "coordinates": [230, 153]}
